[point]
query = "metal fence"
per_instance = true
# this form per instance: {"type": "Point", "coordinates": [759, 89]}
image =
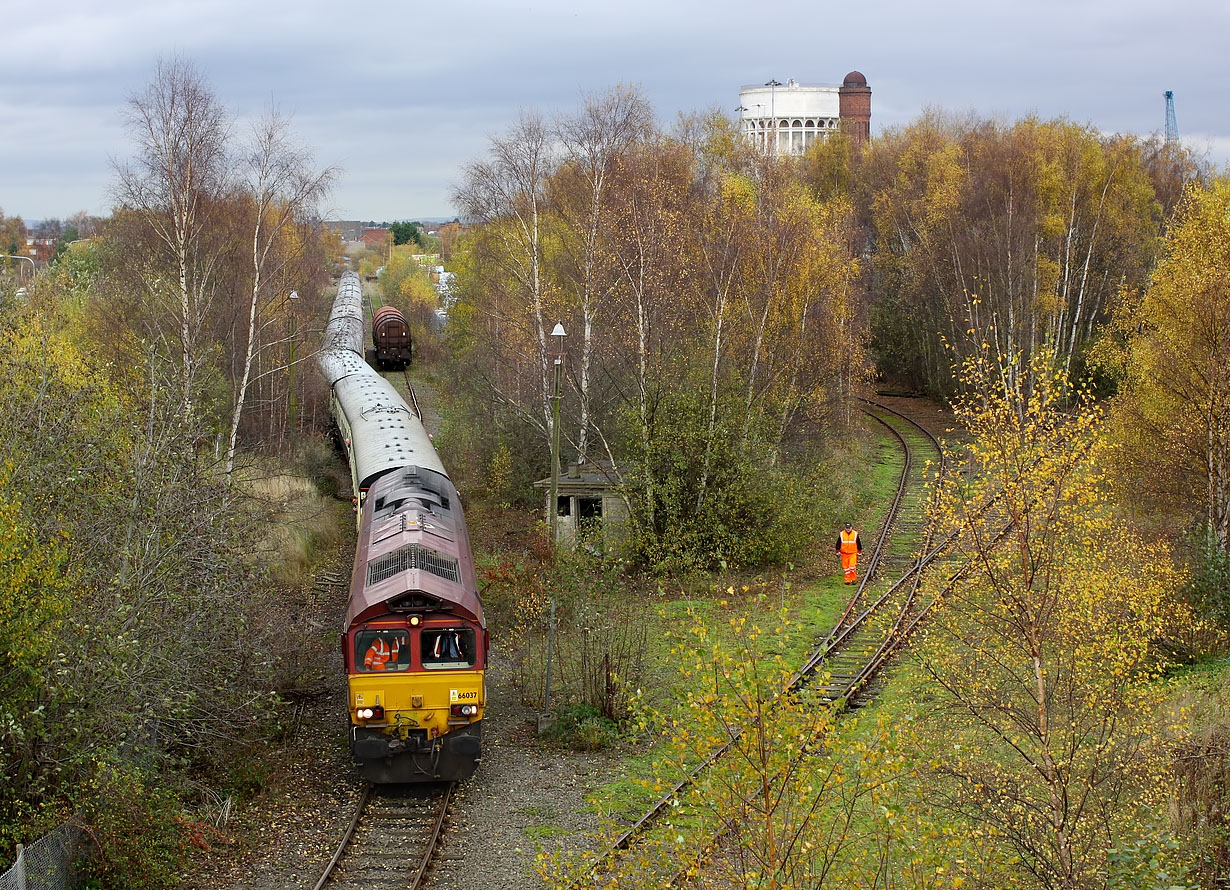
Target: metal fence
{"type": "Point", "coordinates": [50, 863]}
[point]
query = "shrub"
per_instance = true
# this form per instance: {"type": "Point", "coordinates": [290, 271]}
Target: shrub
{"type": "Point", "coordinates": [583, 727]}
{"type": "Point", "coordinates": [1209, 588]}
{"type": "Point", "coordinates": [742, 508]}
{"type": "Point", "coordinates": [140, 838]}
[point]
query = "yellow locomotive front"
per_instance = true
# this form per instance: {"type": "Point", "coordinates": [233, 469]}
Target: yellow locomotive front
{"type": "Point", "coordinates": [415, 640]}
{"type": "Point", "coordinates": [416, 697]}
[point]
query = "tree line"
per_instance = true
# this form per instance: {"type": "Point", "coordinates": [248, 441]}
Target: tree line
{"type": "Point", "coordinates": [142, 376]}
{"type": "Point", "coordinates": [711, 304]}
{"type": "Point", "coordinates": [724, 307]}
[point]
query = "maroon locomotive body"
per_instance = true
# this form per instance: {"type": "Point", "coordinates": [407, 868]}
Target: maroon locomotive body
{"type": "Point", "coordinates": [391, 337]}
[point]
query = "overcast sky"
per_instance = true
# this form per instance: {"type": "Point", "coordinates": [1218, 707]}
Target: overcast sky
{"type": "Point", "coordinates": [400, 95]}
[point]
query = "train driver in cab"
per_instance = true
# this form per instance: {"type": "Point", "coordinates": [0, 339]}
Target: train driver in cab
{"type": "Point", "coordinates": [384, 652]}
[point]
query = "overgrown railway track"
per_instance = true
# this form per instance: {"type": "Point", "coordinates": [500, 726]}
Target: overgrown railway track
{"type": "Point", "coordinates": [862, 640]}
{"type": "Point", "coordinates": [392, 838]}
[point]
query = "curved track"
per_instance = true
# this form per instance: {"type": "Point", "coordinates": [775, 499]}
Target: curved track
{"type": "Point", "coordinates": [391, 840]}
{"type": "Point", "coordinates": [867, 633]}
{"type": "Point", "coordinates": [857, 646]}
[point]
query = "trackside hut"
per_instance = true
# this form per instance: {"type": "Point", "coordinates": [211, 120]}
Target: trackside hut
{"type": "Point", "coordinates": [587, 504]}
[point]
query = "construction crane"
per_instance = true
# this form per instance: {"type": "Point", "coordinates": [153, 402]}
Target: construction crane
{"type": "Point", "coordinates": [1172, 127]}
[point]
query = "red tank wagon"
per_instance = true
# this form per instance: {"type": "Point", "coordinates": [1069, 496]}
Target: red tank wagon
{"type": "Point", "coordinates": [391, 336]}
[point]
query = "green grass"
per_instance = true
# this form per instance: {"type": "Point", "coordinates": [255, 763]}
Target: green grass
{"type": "Point", "coordinates": [539, 812]}
{"type": "Point", "coordinates": [813, 600]}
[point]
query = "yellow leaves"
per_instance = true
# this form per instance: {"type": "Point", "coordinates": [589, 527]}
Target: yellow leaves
{"type": "Point", "coordinates": [34, 592]}
{"type": "Point", "coordinates": [738, 195]}
{"type": "Point", "coordinates": [1047, 647]}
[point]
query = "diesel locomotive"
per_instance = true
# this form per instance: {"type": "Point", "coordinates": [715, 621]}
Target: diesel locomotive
{"type": "Point", "coordinates": [414, 643]}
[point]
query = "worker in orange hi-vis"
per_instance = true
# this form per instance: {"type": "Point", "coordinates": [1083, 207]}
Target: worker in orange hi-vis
{"type": "Point", "coordinates": [849, 546]}
{"type": "Point", "coordinates": [381, 654]}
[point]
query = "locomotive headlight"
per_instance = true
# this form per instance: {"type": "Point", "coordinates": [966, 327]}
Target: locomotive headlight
{"type": "Point", "coordinates": [464, 710]}
{"type": "Point", "coordinates": [364, 713]}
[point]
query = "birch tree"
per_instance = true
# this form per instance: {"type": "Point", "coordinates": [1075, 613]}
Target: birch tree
{"type": "Point", "coordinates": [1014, 236]}
{"type": "Point", "coordinates": [651, 282]}
{"type": "Point", "coordinates": [1172, 420]}
{"type": "Point", "coordinates": [174, 183]}
{"type": "Point", "coordinates": [1043, 655]}
{"type": "Point", "coordinates": [283, 191]}
{"type": "Point", "coordinates": [505, 195]}
{"type": "Point", "coordinates": [592, 142]}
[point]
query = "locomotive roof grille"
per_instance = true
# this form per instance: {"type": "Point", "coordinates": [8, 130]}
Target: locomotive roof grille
{"type": "Point", "coordinates": [413, 556]}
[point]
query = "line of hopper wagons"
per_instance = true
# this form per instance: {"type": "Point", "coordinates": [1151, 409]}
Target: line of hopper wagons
{"type": "Point", "coordinates": [414, 641]}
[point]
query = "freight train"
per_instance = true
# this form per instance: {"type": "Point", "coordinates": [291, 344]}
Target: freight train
{"type": "Point", "coordinates": [414, 642]}
{"type": "Point", "coordinates": [391, 338]}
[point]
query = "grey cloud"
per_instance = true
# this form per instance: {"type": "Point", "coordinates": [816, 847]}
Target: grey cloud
{"type": "Point", "coordinates": [402, 97]}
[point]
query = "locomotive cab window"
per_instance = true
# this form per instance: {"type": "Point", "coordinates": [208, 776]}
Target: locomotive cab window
{"type": "Point", "coordinates": [382, 651]}
{"type": "Point", "coordinates": [447, 648]}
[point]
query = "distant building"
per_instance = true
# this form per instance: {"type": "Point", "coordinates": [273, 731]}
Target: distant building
{"type": "Point", "coordinates": [41, 250]}
{"type": "Point", "coordinates": [376, 238]}
{"type": "Point", "coordinates": [349, 229]}
{"type": "Point", "coordinates": [788, 118]}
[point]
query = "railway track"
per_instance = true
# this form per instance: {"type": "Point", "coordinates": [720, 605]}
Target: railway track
{"type": "Point", "coordinates": [391, 840]}
{"type": "Point", "coordinates": [918, 566]}
{"type": "Point", "coordinates": [402, 381]}
{"type": "Point", "coordinates": [868, 631]}
{"type": "Point", "coordinates": [862, 640]}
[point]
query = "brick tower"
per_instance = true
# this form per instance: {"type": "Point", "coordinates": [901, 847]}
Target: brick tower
{"type": "Point", "coordinates": [854, 100]}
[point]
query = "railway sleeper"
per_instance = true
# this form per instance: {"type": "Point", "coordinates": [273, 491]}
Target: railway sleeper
{"type": "Point", "coordinates": [385, 855]}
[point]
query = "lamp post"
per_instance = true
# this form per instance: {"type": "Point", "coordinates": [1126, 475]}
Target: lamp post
{"type": "Point", "coordinates": [290, 411]}
{"type": "Point", "coordinates": [741, 110]}
{"type": "Point", "coordinates": [773, 85]}
{"type": "Point", "coordinates": [557, 337]}
{"type": "Point", "coordinates": [7, 256]}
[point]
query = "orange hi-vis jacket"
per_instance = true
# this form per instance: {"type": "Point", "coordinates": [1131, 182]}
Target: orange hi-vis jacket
{"type": "Point", "coordinates": [380, 654]}
{"type": "Point", "coordinates": [849, 546]}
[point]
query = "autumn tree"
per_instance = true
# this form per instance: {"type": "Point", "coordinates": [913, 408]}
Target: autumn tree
{"type": "Point", "coordinates": [35, 594]}
{"type": "Point", "coordinates": [12, 240]}
{"type": "Point", "coordinates": [712, 306]}
{"type": "Point", "coordinates": [647, 249]}
{"type": "Point", "coordinates": [283, 191]}
{"type": "Point", "coordinates": [1172, 420]}
{"type": "Point", "coordinates": [506, 194]}
{"type": "Point", "coordinates": [449, 233]}
{"type": "Point", "coordinates": [1017, 236]}
{"type": "Point", "coordinates": [788, 800]}
{"type": "Point", "coordinates": [606, 127]}
{"type": "Point", "coordinates": [1042, 655]}
{"type": "Point", "coordinates": [172, 187]}
{"type": "Point", "coordinates": [134, 610]}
